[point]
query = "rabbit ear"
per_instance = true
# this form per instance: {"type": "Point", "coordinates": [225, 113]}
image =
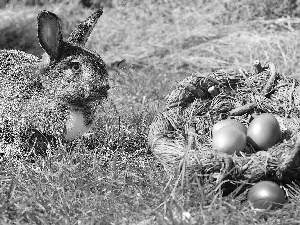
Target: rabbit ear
{"type": "Point", "coordinates": [81, 34]}
{"type": "Point", "coordinates": [50, 33]}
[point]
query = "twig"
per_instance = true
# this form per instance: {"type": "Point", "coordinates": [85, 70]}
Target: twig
{"type": "Point", "coordinates": [271, 80]}
{"type": "Point", "coordinates": [116, 152]}
{"type": "Point", "coordinates": [243, 109]}
{"type": "Point", "coordinates": [176, 104]}
{"type": "Point", "coordinates": [191, 139]}
{"type": "Point", "coordinates": [281, 85]}
{"type": "Point", "coordinates": [291, 97]}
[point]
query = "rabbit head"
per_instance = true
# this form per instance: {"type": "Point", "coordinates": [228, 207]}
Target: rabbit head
{"type": "Point", "coordinates": [79, 75]}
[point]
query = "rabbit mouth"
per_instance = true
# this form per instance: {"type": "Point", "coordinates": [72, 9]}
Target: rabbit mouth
{"type": "Point", "coordinates": [80, 103]}
{"type": "Point", "coordinates": [85, 98]}
{"type": "Point", "coordinates": [97, 94]}
{"type": "Point", "coordinates": [96, 97]}
{"type": "Point", "coordinates": [83, 102]}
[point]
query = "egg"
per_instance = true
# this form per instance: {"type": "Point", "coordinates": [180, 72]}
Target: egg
{"type": "Point", "coordinates": [75, 125]}
{"type": "Point", "coordinates": [263, 132]}
{"type": "Point", "coordinates": [266, 194]}
{"type": "Point", "coordinates": [226, 122]}
{"type": "Point", "coordinates": [229, 139]}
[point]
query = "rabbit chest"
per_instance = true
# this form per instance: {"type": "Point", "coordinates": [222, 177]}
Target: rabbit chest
{"type": "Point", "coordinates": [75, 125]}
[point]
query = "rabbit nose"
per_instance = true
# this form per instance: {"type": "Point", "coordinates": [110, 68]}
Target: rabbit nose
{"type": "Point", "coordinates": [104, 90]}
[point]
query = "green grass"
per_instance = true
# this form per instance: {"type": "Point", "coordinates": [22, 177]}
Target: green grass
{"type": "Point", "coordinates": [112, 178]}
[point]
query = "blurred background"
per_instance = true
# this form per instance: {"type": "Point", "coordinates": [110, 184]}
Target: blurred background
{"type": "Point", "coordinates": [18, 26]}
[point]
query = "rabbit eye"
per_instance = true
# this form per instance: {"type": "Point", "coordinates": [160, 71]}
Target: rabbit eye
{"type": "Point", "coordinates": [75, 66]}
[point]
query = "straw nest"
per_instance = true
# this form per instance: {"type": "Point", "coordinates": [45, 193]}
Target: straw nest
{"type": "Point", "coordinates": [180, 135]}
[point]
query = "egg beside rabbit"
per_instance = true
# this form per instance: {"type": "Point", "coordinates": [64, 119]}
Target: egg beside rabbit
{"type": "Point", "coordinates": [75, 125]}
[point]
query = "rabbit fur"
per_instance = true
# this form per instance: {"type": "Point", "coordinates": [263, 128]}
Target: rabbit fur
{"type": "Point", "coordinates": [48, 96]}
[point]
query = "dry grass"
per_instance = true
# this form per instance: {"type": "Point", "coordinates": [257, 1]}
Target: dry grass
{"type": "Point", "coordinates": [112, 178]}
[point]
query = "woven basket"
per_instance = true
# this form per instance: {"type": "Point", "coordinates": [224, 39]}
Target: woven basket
{"type": "Point", "coordinates": [180, 135]}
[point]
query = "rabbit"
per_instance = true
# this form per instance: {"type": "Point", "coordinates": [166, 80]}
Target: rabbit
{"type": "Point", "coordinates": [54, 97]}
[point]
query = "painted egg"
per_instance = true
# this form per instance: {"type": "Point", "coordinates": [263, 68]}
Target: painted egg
{"type": "Point", "coordinates": [263, 132]}
{"type": "Point", "coordinates": [75, 125]}
{"type": "Point", "coordinates": [265, 195]}
{"type": "Point", "coordinates": [229, 139]}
